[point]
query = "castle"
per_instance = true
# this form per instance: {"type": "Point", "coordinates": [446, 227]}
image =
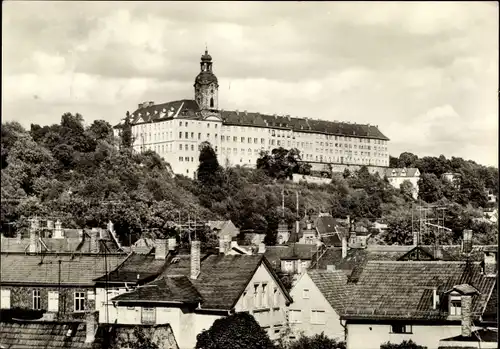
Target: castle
{"type": "Point", "coordinates": [174, 130]}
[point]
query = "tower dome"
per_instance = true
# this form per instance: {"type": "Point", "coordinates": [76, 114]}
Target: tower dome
{"type": "Point", "coordinates": [206, 84]}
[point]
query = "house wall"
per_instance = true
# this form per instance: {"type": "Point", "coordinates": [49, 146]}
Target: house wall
{"type": "Point", "coordinates": [315, 301]}
{"type": "Point", "coordinates": [358, 335]}
{"type": "Point", "coordinates": [270, 315]}
{"type": "Point", "coordinates": [22, 297]}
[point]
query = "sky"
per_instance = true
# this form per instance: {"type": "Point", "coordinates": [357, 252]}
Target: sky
{"type": "Point", "coordinates": [425, 72]}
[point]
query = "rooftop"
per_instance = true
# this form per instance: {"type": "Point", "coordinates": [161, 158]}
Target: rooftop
{"type": "Point", "coordinates": [222, 280]}
{"type": "Point", "coordinates": [333, 285]}
{"type": "Point", "coordinates": [75, 269]}
{"type": "Point", "coordinates": [389, 289]}
{"type": "Point", "coordinates": [189, 109]}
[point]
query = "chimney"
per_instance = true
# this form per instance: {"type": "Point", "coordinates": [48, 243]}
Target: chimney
{"type": "Point", "coordinates": [172, 244]}
{"type": "Point", "coordinates": [262, 248]}
{"type": "Point", "coordinates": [33, 242]}
{"type": "Point", "coordinates": [435, 299]}
{"type": "Point", "coordinates": [490, 263]}
{"type": "Point", "coordinates": [344, 247]}
{"type": "Point", "coordinates": [58, 234]}
{"type": "Point", "coordinates": [466, 304]}
{"type": "Point", "coordinates": [90, 327]}
{"type": "Point", "coordinates": [467, 241]}
{"type": "Point", "coordinates": [94, 241]}
{"type": "Point", "coordinates": [195, 259]}
{"type": "Point", "coordinates": [416, 238]}
{"type": "Point", "coordinates": [161, 248]}
{"type": "Point", "coordinates": [19, 236]}
{"type": "Point", "coordinates": [309, 226]}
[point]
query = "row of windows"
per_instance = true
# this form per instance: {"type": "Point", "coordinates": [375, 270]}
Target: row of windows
{"type": "Point", "coordinates": [186, 124]}
{"type": "Point", "coordinates": [318, 317]}
{"type": "Point", "coordinates": [261, 297]}
{"type": "Point", "coordinates": [53, 300]}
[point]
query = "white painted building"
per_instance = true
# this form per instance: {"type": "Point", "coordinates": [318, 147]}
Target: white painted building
{"type": "Point", "coordinates": [398, 176]}
{"type": "Point", "coordinates": [422, 301]}
{"type": "Point", "coordinates": [319, 296]}
{"type": "Point", "coordinates": [193, 292]}
{"type": "Point", "coordinates": [175, 130]}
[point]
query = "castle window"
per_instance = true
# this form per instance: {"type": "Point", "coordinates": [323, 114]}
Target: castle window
{"type": "Point", "coordinates": [36, 300]}
{"type": "Point", "coordinates": [211, 102]}
{"type": "Point", "coordinates": [180, 134]}
{"type": "Point", "coordinates": [199, 135]}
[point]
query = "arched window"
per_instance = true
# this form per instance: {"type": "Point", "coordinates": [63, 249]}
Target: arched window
{"type": "Point", "coordinates": [211, 102]}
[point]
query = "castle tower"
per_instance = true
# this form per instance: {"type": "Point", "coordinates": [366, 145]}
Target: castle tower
{"type": "Point", "coordinates": [206, 85]}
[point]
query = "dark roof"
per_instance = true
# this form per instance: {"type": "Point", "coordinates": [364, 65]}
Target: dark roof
{"type": "Point", "coordinates": [391, 290]}
{"type": "Point", "coordinates": [136, 268]}
{"type": "Point", "coordinates": [175, 289]}
{"type": "Point", "coordinates": [301, 124]}
{"type": "Point", "coordinates": [70, 243]}
{"type": "Point", "coordinates": [44, 335]}
{"type": "Point", "coordinates": [188, 108]}
{"type": "Point", "coordinates": [77, 269]}
{"type": "Point", "coordinates": [206, 78]}
{"type": "Point", "coordinates": [401, 172]}
{"type": "Point", "coordinates": [157, 112]}
{"type": "Point", "coordinates": [295, 251]}
{"type": "Point", "coordinates": [221, 281]}
{"type": "Point", "coordinates": [490, 314]}
{"type": "Point", "coordinates": [333, 285]}
{"type": "Point", "coordinates": [482, 335]}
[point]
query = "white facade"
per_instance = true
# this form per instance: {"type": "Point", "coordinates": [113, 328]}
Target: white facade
{"type": "Point", "coordinates": [262, 297]}
{"type": "Point", "coordinates": [176, 136]}
{"type": "Point", "coordinates": [312, 313]}
{"type": "Point", "coordinates": [397, 176]}
{"type": "Point", "coordinates": [366, 336]}
{"type": "Point", "coordinates": [177, 141]}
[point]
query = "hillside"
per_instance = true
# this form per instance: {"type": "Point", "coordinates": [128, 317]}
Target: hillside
{"type": "Point", "coordinates": [82, 176]}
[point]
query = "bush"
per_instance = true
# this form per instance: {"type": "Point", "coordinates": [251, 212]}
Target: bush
{"type": "Point", "coordinates": [403, 345]}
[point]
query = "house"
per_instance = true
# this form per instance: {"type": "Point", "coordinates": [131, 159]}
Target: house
{"type": "Point", "coordinates": [292, 259]}
{"type": "Point", "coordinates": [319, 299]}
{"type": "Point", "coordinates": [425, 301]}
{"type": "Point", "coordinates": [283, 233]}
{"type": "Point", "coordinates": [194, 290]}
{"type": "Point", "coordinates": [223, 228]}
{"type": "Point", "coordinates": [54, 284]}
{"type": "Point", "coordinates": [138, 269]}
{"type": "Point", "coordinates": [52, 238]}
{"type": "Point", "coordinates": [396, 177]}
{"type": "Point", "coordinates": [331, 231]}
{"type": "Point", "coordinates": [86, 334]}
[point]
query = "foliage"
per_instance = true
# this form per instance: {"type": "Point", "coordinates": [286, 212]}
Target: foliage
{"type": "Point", "coordinates": [318, 341]}
{"type": "Point", "coordinates": [77, 173]}
{"type": "Point", "coordinates": [281, 163]}
{"type": "Point", "coordinates": [235, 331]}
{"type": "Point", "coordinates": [403, 345]}
{"type": "Point", "coordinates": [138, 339]}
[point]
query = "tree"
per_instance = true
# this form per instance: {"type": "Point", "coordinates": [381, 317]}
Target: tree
{"type": "Point", "coordinates": [239, 330]}
{"type": "Point", "coordinates": [281, 163]}
{"type": "Point", "coordinates": [407, 160]}
{"type": "Point", "coordinates": [138, 339]}
{"type": "Point", "coordinates": [126, 133]}
{"type": "Point", "coordinates": [403, 345]}
{"type": "Point", "coordinates": [406, 189]}
{"type": "Point", "coordinates": [430, 187]}
{"type": "Point", "coordinates": [209, 168]}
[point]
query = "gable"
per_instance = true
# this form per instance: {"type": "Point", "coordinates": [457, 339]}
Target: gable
{"type": "Point", "coordinates": [417, 254]}
{"type": "Point", "coordinates": [316, 298]}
